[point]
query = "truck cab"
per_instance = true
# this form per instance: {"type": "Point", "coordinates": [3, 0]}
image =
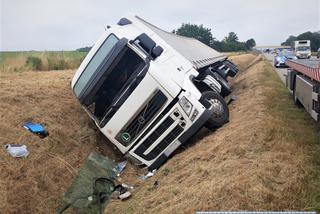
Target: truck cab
{"type": "Point", "coordinates": [146, 96]}
{"type": "Point", "coordinates": [302, 49]}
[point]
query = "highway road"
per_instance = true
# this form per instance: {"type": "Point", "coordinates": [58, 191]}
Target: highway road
{"type": "Point", "coordinates": [282, 72]}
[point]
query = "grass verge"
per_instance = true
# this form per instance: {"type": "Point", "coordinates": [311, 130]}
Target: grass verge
{"type": "Point", "coordinates": [292, 125]}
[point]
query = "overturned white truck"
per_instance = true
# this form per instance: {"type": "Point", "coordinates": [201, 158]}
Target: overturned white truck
{"type": "Point", "coordinates": [149, 91]}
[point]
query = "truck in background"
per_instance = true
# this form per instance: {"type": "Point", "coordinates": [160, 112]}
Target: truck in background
{"type": "Point", "coordinates": [303, 78]}
{"type": "Point", "coordinates": [301, 49]}
{"type": "Point", "coordinates": [148, 91]}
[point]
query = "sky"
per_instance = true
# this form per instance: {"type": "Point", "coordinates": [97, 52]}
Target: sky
{"type": "Point", "coordinates": [70, 24]}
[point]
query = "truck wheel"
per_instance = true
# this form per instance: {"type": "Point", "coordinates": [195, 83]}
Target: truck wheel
{"type": "Point", "coordinates": [220, 111]}
{"type": "Point", "coordinates": [225, 87]}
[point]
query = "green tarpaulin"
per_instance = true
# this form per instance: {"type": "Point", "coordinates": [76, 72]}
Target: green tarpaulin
{"type": "Point", "coordinates": [92, 187]}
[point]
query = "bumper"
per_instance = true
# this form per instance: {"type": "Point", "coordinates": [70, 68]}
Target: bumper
{"type": "Point", "coordinates": [303, 56]}
{"type": "Point", "coordinates": [195, 126]}
{"type": "Point", "coordinates": [193, 129]}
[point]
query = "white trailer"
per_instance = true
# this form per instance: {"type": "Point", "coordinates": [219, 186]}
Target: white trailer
{"type": "Point", "coordinates": [303, 78]}
{"type": "Point", "coordinates": [302, 49]}
{"type": "Point", "coordinates": [149, 91]}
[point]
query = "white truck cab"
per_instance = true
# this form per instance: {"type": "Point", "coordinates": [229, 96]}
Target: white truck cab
{"type": "Point", "coordinates": [302, 49]}
{"type": "Point", "coordinates": [149, 91]}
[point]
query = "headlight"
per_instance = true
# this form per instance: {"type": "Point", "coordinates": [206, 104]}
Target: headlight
{"type": "Point", "coordinates": [194, 115]}
{"type": "Point", "coordinates": [185, 105]}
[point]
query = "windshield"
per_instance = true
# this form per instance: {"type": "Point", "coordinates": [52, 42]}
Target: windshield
{"type": "Point", "coordinates": [303, 48]}
{"type": "Point", "coordinates": [99, 56]}
{"type": "Point", "coordinates": [286, 53]}
{"type": "Point", "coordinates": [126, 67]}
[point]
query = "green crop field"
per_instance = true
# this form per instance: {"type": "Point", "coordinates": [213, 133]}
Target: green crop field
{"type": "Point", "coordinates": [47, 60]}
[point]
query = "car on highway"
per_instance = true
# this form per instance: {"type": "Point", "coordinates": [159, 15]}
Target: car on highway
{"type": "Point", "coordinates": [281, 57]}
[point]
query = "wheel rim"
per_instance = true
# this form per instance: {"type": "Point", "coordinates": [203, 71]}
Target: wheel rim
{"type": "Point", "coordinates": [216, 107]}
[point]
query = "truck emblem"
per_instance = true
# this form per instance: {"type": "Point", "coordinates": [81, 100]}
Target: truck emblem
{"type": "Point", "coordinates": [125, 136]}
{"type": "Point", "coordinates": [141, 120]}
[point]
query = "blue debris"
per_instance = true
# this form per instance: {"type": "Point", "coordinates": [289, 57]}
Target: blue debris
{"type": "Point", "coordinates": [120, 167]}
{"type": "Point", "coordinates": [36, 128]}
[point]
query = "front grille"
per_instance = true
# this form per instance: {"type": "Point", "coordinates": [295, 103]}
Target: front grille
{"type": "Point", "coordinates": [166, 141]}
{"type": "Point", "coordinates": [155, 135]}
{"type": "Point", "coordinates": [134, 128]}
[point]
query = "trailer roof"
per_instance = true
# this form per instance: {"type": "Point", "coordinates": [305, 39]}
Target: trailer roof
{"type": "Point", "coordinates": [199, 54]}
{"type": "Point", "coordinates": [312, 63]}
{"type": "Point", "coordinates": [309, 67]}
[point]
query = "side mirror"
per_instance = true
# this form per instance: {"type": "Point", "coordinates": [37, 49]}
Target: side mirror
{"type": "Point", "coordinates": [146, 42]}
{"type": "Point", "coordinates": [148, 45]}
{"type": "Point", "coordinates": [156, 51]}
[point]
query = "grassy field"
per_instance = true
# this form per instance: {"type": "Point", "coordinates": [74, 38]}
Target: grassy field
{"type": "Point", "coordinates": [17, 60]}
{"type": "Point", "coordinates": [265, 158]}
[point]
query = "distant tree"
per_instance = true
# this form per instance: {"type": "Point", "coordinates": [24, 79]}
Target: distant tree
{"type": "Point", "coordinates": [315, 43]}
{"type": "Point", "coordinates": [84, 49]}
{"type": "Point", "coordinates": [232, 37]}
{"type": "Point", "coordinates": [314, 38]}
{"type": "Point", "coordinates": [198, 32]}
{"type": "Point", "coordinates": [231, 43]}
{"type": "Point", "coordinates": [250, 43]}
{"type": "Point", "coordinates": [217, 45]}
{"type": "Point", "coordinates": [289, 40]}
{"type": "Point", "coordinates": [228, 44]}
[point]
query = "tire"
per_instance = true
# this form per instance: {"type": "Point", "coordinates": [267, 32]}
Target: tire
{"type": "Point", "coordinates": [220, 114]}
{"type": "Point", "coordinates": [225, 87]}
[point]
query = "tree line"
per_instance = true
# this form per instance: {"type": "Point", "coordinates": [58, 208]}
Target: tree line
{"type": "Point", "coordinates": [229, 44]}
{"type": "Point", "coordinates": [314, 38]}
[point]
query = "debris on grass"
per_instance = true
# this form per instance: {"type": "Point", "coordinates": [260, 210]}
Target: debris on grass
{"type": "Point", "coordinates": [127, 186]}
{"type": "Point", "coordinates": [148, 175]}
{"type": "Point", "coordinates": [156, 184]}
{"type": "Point", "coordinates": [122, 192]}
{"type": "Point", "coordinates": [232, 98]}
{"type": "Point", "coordinates": [17, 151]}
{"type": "Point", "coordinates": [120, 167]}
{"type": "Point", "coordinates": [36, 128]}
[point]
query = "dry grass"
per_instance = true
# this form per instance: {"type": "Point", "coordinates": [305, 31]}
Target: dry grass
{"type": "Point", "coordinates": [35, 184]}
{"type": "Point", "coordinates": [256, 162]}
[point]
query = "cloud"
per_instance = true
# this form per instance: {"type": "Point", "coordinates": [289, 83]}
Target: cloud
{"type": "Point", "coordinates": [67, 25]}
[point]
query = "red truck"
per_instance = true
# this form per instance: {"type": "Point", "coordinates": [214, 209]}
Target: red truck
{"type": "Point", "coordinates": [303, 78]}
